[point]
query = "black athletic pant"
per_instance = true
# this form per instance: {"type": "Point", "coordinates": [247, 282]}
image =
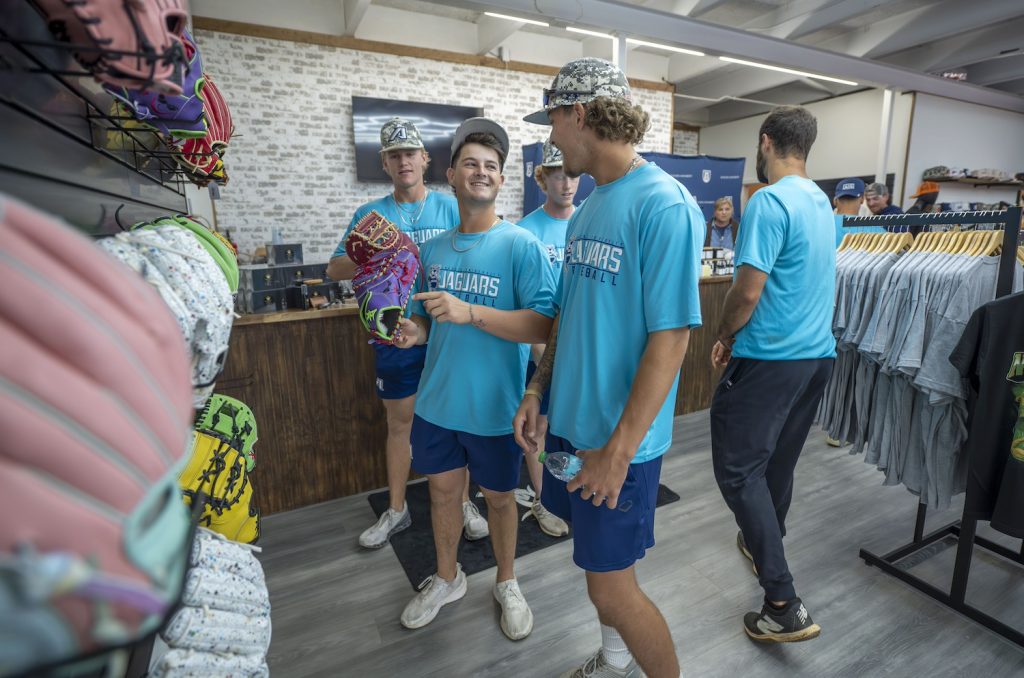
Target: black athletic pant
{"type": "Point", "coordinates": [760, 415]}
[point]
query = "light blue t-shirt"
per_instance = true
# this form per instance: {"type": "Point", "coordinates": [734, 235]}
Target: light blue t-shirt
{"type": "Point", "coordinates": [551, 233]}
{"type": "Point", "coordinates": [788, 231]}
{"type": "Point", "coordinates": [422, 220]}
{"type": "Point", "coordinates": [472, 381]}
{"type": "Point", "coordinates": [632, 267]}
{"type": "Point", "coordinates": [840, 231]}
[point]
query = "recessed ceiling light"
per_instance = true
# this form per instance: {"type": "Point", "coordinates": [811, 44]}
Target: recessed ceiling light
{"type": "Point", "coordinates": [584, 31]}
{"type": "Point", "coordinates": [515, 18]}
{"type": "Point", "coordinates": [670, 48]}
{"type": "Point", "coordinates": [791, 71]}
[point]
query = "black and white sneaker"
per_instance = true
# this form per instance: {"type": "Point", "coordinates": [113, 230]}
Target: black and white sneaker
{"type": "Point", "coordinates": [742, 545]}
{"type": "Point", "coordinates": [786, 625]}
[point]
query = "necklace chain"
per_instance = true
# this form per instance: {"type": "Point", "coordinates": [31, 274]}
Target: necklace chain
{"type": "Point", "coordinates": [414, 213]}
{"type": "Point", "coordinates": [455, 232]}
{"type": "Point", "coordinates": [633, 164]}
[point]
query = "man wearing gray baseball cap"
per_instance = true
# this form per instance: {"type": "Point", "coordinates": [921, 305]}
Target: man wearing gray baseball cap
{"type": "Point", "coordinates": [628, 299]}
{"type": "Point", "coordinates": [489, 288]}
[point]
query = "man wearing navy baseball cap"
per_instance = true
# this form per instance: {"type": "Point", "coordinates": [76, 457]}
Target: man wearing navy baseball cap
{"type": "Point", "coordinates": [848, 199]}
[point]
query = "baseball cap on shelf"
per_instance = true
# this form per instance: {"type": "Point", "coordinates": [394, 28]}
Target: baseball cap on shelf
{"type": "Point", "coordinates": [850, 188]}
{"type": "Point", "coordinates": [481, 126]}
{"type": "Point", "coordinates": [925, 188]}
{"type": "Point", "coordinates": [552, 157]}
{"type": "Point", "coordinates": [398, 134]}
{"type": "Point", "coordinates": [581, 81]}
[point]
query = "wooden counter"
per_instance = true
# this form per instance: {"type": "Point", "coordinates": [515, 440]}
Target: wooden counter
{"type": "Point", "coordinates": [697, 380]}
{"type": "Point", "coordinates": [309, 378]}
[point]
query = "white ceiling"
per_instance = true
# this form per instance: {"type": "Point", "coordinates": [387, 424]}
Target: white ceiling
{"type": "Point", "coordinates": [982, 38]}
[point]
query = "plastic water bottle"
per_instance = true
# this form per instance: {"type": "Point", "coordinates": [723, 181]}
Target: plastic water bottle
{"type": "Point", "coordinates": [561, 465]}
{"type": "Point", "coordinates": [565, 466]}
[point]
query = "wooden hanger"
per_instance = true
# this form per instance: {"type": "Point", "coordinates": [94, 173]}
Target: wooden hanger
{"type": "Point", "coordinates": [994, 245]}
{"type": "Point", "coordinates": [878, 242]}
{"type": "Point", "coordinates": [900, 242]}
{"type": "Point", "coordinates": [969, 242]}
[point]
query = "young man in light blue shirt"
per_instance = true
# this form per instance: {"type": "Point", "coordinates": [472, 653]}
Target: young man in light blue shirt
{"type": "Point", "coordinates": [775, 342]}
{"type": "Point", "coordinates": [549, 223]}
{"type": "Point", "coordinates": [628, 297]}
{"type": "Point", "coordinates": [422, 214]}
{"type": "Point", "coordinates": [849, 198]}
{"type": "Point", "coordinates": [489, 289]}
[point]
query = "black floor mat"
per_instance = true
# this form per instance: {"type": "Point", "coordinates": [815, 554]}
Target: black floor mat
{"type": "Point", "coordinates": [415, 546]}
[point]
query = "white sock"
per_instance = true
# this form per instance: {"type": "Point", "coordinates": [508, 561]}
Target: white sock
{"type": "Point", "coordinates": [614, 649]}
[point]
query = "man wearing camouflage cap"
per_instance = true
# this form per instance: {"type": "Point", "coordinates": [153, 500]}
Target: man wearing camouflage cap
{"type": "Point", "coordinates": [548, 222]}
{"type": "Point", "coordinates": [627, 299]}
{"type": "Point", "coordinates": [422, 214]}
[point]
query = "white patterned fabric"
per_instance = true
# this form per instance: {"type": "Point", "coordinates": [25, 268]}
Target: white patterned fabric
{"type": "Point", "coordinates": [192, 664]}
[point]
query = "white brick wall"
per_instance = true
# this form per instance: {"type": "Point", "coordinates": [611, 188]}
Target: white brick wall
{"type": "Point", "coordinates": [292, 163]}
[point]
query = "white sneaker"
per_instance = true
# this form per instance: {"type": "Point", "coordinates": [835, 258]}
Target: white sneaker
{"type": "Point", "coordinates": [597, 667]}
{"type": "Point", "coordinates": [434, 594]}
{"type": "Point", "coordinates": [389, 523]}
{"type": "Point", "coordinates": [516, 617]}
{"type": "Point", "coordinates": [474, 525]}
{"type": "Point", "coordinates": [550, 524]}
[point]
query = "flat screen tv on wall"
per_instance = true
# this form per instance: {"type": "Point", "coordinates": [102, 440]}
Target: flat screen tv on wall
{"type": "Point", "coordinates": [436, 122]}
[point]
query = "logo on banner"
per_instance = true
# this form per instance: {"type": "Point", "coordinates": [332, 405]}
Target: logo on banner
{"type": "Point", "coordinates": [705, 176]}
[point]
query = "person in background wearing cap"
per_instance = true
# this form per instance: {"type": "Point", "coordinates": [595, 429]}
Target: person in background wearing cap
{"type": "Point", "coordinates": [548, 222]}
{"type": "Point", "coordinates": [925, 198]}
{"type": "Point", "coordinates": [722, 227]}
{"type": "Point", "coordinates": [628, 297]}
{"type": "Point", "coordinates": [876, 196]}
{"type": "Point", "coordinates": [775, 340]}
{"type": "Point", "coordinates": [490, 289]}
{"type": "Point", "coordinates": [848, 200]}
{"type": "Point", "coordinates": [422, 214]}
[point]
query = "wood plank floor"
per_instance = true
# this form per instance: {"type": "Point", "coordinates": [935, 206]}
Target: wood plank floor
{"type": "Point", "coordinates": [336, 606]}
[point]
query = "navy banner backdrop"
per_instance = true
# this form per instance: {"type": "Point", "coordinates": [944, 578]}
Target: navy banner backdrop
{"type": "Point", "coordinates": [533, 197]}
{"type": "Point", "coordinates": [706, 177]}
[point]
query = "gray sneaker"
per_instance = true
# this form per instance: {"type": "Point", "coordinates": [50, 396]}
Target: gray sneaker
{"type": "Point", "coordinates": [434, 594]}
{"type": "Point", "coordinates": [550, 524]}
{"type": "Point", "coordinates": [474, 525]}
{"type": "Point", "coordinates": [596, 667]}
{"type": "Point", "coordinates": [389, 523]}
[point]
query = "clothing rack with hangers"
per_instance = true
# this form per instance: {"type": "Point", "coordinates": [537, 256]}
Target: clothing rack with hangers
{"type": "Point", "coordinates": [964, 530]}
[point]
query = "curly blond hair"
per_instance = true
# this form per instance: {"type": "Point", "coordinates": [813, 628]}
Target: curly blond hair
{"type": "Point", "coordinates": [614, 119]}
{"type": "Point", "coordinates": [540, 173]}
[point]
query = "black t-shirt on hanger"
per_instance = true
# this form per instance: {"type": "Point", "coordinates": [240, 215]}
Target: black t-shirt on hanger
{"type": "Point", "coordinates": [990, 355]}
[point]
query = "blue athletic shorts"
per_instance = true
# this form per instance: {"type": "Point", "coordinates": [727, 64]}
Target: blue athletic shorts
{"type": "Point", "coordinates": [604, 539]}
{"type": "Point", "coordinates": [493, 461]}
{"type": "Point", "coordinates": [398, 370]}
{"type": "Point", "coordinates": [531, 367]}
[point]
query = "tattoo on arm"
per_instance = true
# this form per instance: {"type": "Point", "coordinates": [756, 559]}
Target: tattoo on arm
{"type": "Point", "coordinates": [475, 320]}
{"type": "Point", "coordinates": [542, 377]}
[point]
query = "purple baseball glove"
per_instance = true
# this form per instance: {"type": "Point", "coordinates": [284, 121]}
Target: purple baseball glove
{"type": "Point", "coordinates": [178, 116]}
{"type": "Point", "coordinates": [383, 287]}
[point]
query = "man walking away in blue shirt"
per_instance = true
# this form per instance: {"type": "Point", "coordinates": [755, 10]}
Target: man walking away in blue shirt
{"type": "Point", "coordinates": [776, 344]}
